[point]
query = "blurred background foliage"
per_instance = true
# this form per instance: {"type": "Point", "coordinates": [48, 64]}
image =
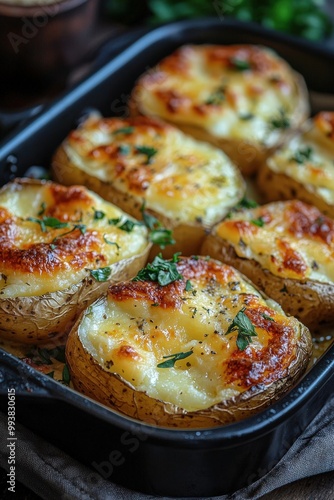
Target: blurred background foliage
{"type": "Point", "coordinates": [305, 18]}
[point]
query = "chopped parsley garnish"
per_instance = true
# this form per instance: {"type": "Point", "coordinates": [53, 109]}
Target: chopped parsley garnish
{"type": "Point", "coordinates": [216, 97]}
{"type": "Point", "coordinates": [258, 222]}
{"type": "Point", "coordinates": [265, 316]}
{"type": "Point", "coordinates": [111, 242]}
{"type": "Point", "coordinates": [244, 203]}
{"type": "Point", "coordinates": [172, 358]}
{"type": "Point", "coordinates": [124, 149]}
{"type": "Point", "coordinates": [280, 121]}
{"type": "Point", "coordinates": [82, 228]}
{"type": "Point", "coordinates": [127, 225]}
{"type": "Point", "coordinates": [51, 222]}
{"type": "Point", "coordinates": [43, 356]}
{"type": "Point", "coordinates": [188, 286]}
{"type": "Point", "coordinates": [158, 234]}
{"type": "Point", "coordinates": [302, 154]}
{"type": "Point", "coordinates": [245, 328]}
{"type": "Point", "coordinates": [284, 289]}
{"type": "Point", "coordinates": [148, 151]}
{"type": "Point", "coordinates": [66, 375]}
{"type": "Point", "coordinates": [240, 64]}
{"type": "Point", "coordinates": [42, 209]}
{"type": "Point", "coordinates": [124, 130]}
{"type": "Point", "coordinates": [98, 214]}
{"type": "Point", "coordinates": [161, 271]}
{"type": "Point", "coordinates": [247, 203]}
{"type": "Point", "coordinates": [102, 274]}
{"type": "Point", "coordinates": [161, 237]}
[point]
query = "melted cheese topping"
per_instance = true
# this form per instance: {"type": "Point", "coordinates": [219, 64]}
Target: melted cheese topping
{"type": "Point", "coordinates": [140, 323]}
{"type": "Point", "coordinates": [236, 91]}
{"type": "Point", "coordinates": [36, 258]}
{"type": "Point", "coordinates": [295, 241]}
{"type": "Point", "coordinates": [178, 177]}
{"type": "Point", "coordinates": [309, 157]}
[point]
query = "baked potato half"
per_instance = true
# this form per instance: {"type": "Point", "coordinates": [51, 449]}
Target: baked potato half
{"type": "Point", "coordinates": [244, 99]}
{"type": "Point", "coordinates": [187, 185]}
{"type": "Point", "coordinates": [60, 247]}
{"type": "Point", "coordinates": [303, 168]}
{"type": "Point", "coordinates": [287, 249]}
{"type": "Point", "coordinates": [188, 343]}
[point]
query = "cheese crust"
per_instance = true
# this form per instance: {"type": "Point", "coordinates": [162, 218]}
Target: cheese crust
{"type": "Point", "coordinates": [140, 324]}
{"type": "Point", "coordinates": [235, 92]}
{"type": "Point", "coordinates": [306, 160]}
{"type": "Point", "coordinates": [146, 160]}
{"type": "Point", "coordinates": [290, 239]}
{"type": "Point", "coordinates": [50, 235]}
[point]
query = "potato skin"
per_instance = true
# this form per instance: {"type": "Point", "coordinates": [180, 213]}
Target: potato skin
{"type": "Point", "coordinates": [275, 186]}
{"type": "Point", "coordinates": [38, 319]}
{"type": "Point", "coordinates": [309, 301]}
{"type": "Point", "coordinates": [89, 378]}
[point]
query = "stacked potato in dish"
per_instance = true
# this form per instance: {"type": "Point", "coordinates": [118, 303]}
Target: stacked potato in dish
{"type": "Point", "coordinates": [173, 335]}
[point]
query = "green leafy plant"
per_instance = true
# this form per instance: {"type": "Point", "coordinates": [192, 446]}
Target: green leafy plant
{"type": "Point", "coordinates": [305, 18]}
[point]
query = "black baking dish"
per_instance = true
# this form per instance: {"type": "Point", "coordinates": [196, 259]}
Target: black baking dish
{"type": "Point", "coordinates": [155, 460]}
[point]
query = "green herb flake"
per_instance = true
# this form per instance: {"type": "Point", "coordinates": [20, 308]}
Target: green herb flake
{"type": "Point", "coordinates": [244, 203]}
{"type": "Point", "coordinates": [161, 237]}
{"type": "Point", "coordinates": [280, 121]}
{"type": "Point", "coordinates": [124, 149]}
{"type": "Point", "coordinates": [127, 225]}
{"type": "Point", "coordinates": [158, 234]}
{"type": "Point", "coordinates": [240, 64]}
{"type": "Point", "coordinates": [42, 209]}
{"type": "Point", "coordinates": [248, 203]}
{"type": "Point", "coordinates": [111, 242]}
{"type": "Point", "coordinates": [82, 228]}
{"type": "Point", "coordinates": [66, 376]}
{"type": "Point", "coordinates": [245, 328]}
{"type": "Point", "coordinates": [102, 274]}
{"type": "Point", "coordinates": [98, 214]}
{"type": "Point", "coordinates": [188, 286]}
{"type": "Point", "coordinates": [258, 222]}
{"type": "Point", "coordinates": [269, 318]}
{"type": "Point", "coordinates": [148, 151]}
{"type": "Point", "coordinates": [172, 358]}
{"type": "Point", "coordinates": [50, 374]}
{"type": "Point", "coordinates": [284, 289]}
{"type": "Point", "coordinates": [51, 222]}
{"type": "Point", "coordinates": [217, 97]}
{"type": "Point", "coordinates": [302, 154]}
{"type": "Point", "coordinates": [161, 271]}
{"type": "Point", "coordinates": [124, 130]}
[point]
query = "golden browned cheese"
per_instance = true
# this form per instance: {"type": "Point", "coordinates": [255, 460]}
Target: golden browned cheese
{"type": "Point", "coordinates": [141, 325]}
{"type": "Point", "coordinates": [290, 239]}
{"type": "Point", "coordinates": [51, 234]}
{"type": "Point", "coordinates": [144, 159]}
{"type": "Point", "coordinates": [232, 92]}
{"type": "Point", "coordinates": [308, 161]}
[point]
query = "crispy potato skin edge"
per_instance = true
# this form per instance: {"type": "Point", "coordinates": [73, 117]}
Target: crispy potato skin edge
{"type": "Point", "coordinates": [276, 186]}
{"type": "Point", "coordinates": [309, 301]}
{"type": "Point", "coordinates": [38, 319]}
{"type": "Point", "coordinates": [90, 379]}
